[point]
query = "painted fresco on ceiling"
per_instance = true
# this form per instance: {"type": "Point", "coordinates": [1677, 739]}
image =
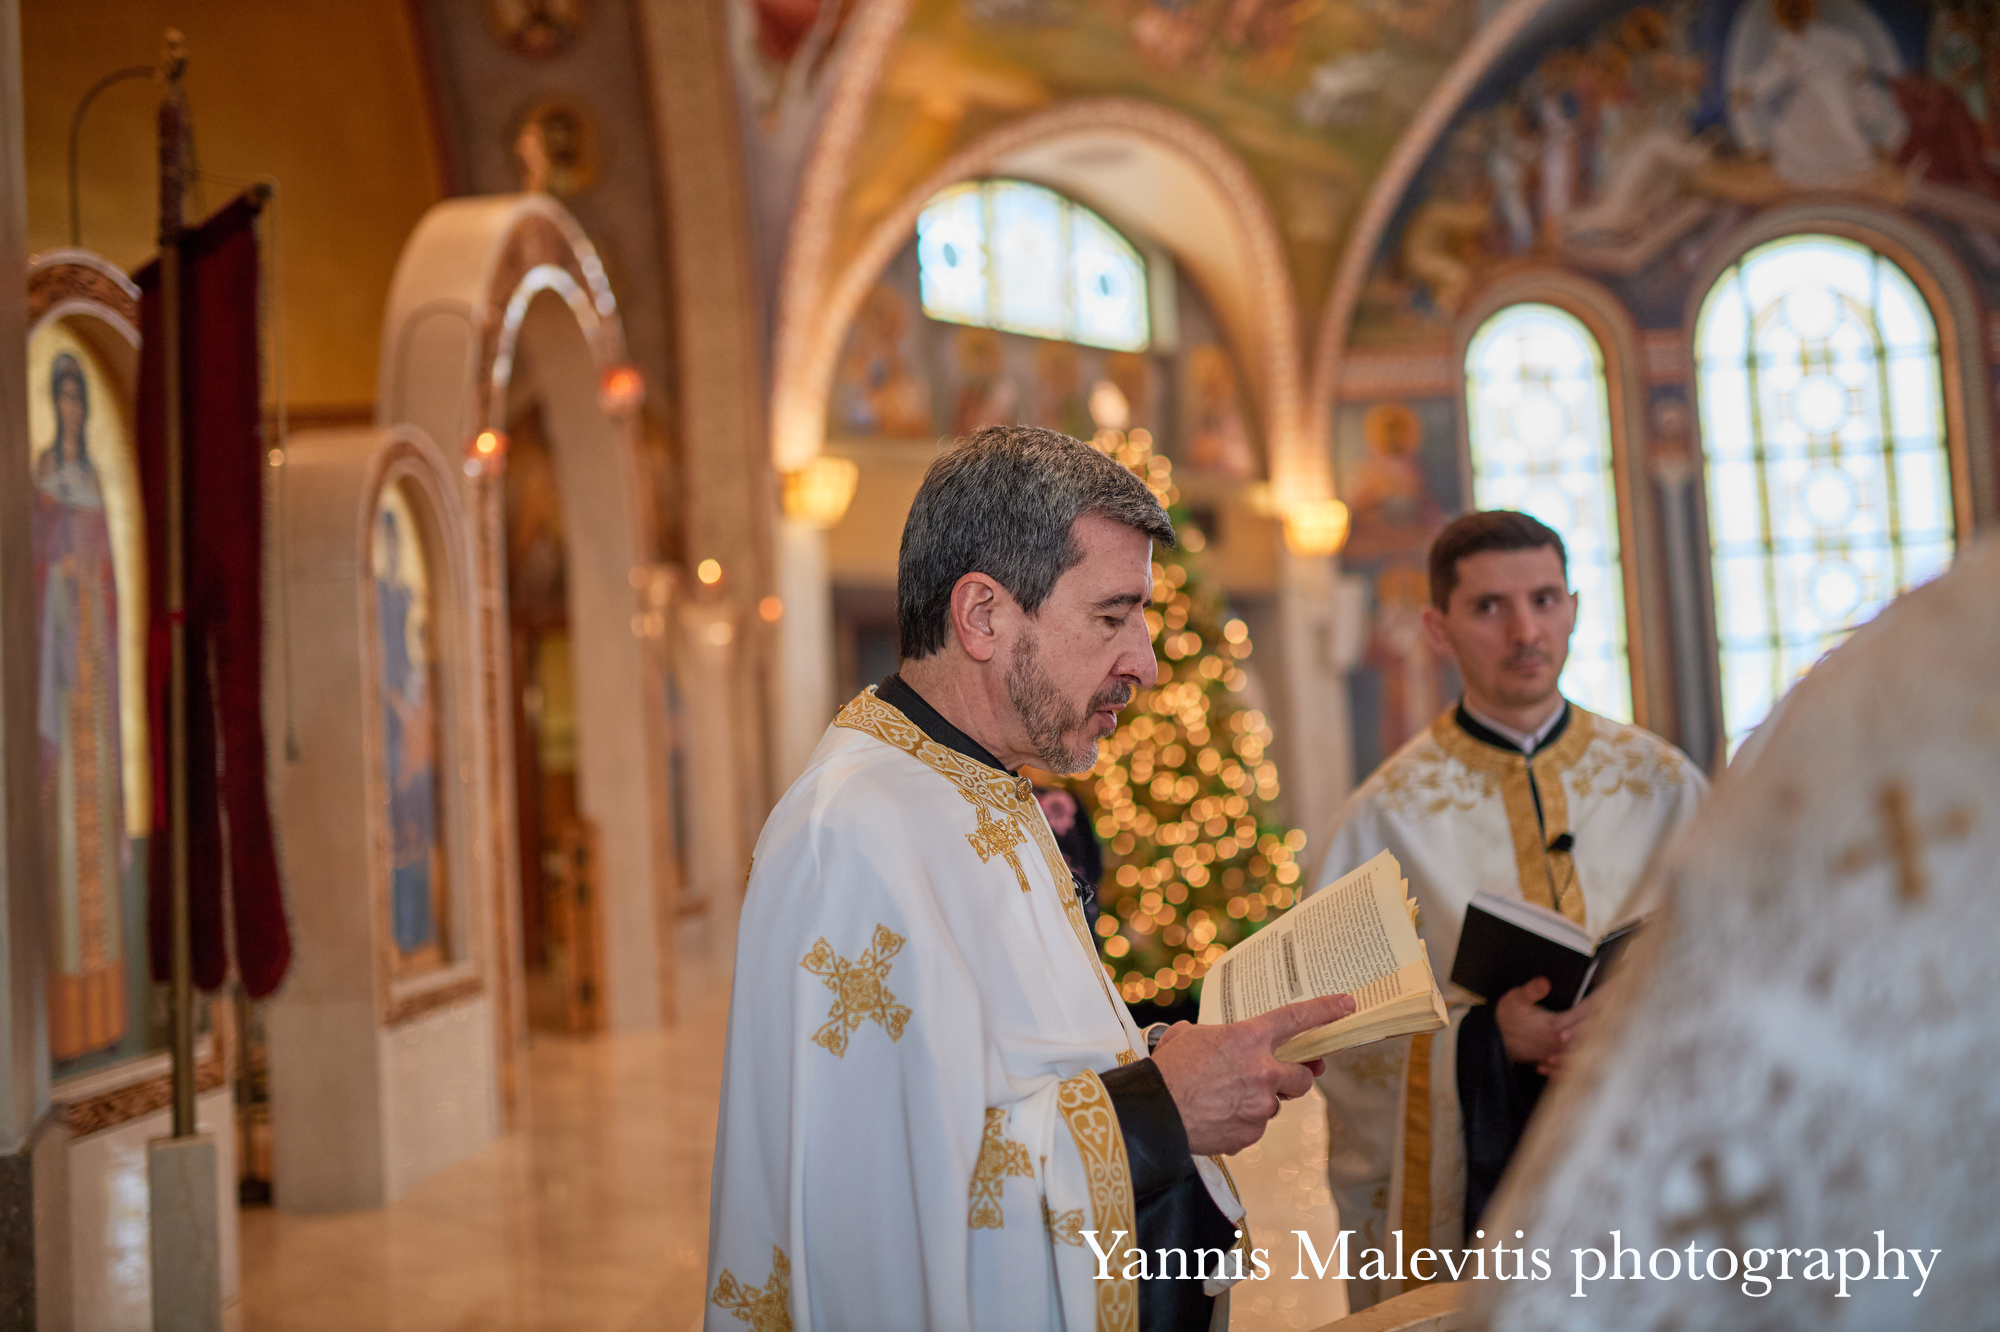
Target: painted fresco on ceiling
{"type": "Point", "coordinates": [1397, 463]}
{"type": "Point", "coordinates": [905, 376]}
{"type": "Point", "coordinates": [781, 48]}
{"type": "Point", "coordinates": [1627, 143]}
{"type": "Point", "coordinates": [1311, 94]}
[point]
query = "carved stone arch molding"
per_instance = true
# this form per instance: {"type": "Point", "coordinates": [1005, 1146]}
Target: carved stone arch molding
{"type": "Point", "coordinates": [486, 287]}
{"type": "Point", "coordinates": [1220, 228]}
{"type": "Point", "coordinates": [380, 1074]}
{"type": "Point", "coordinates": [78, 282]}
{"type": "Point", "coordinates": [1954, 305]}
{"type": "Point", "coordinates": [1648, 639]}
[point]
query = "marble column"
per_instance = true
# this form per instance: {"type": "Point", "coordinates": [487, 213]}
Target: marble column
{"type": "Point", "coordinates": [24, 1063]}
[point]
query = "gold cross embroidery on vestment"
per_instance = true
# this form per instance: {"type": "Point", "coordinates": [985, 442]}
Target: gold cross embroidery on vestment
{"type": "Point", "coordinates": [1064, 1227]}
{"type": "Point", "coordinates": [860, 991]}
{"type": "Point", "coordinates": [999, 1157]}
{"type": "Point", "coordinates": [765, 1309]}
{"type": "Point", "coordinates": [1903, 841]}
{"type": "Point", "coordinates": [998, 837]}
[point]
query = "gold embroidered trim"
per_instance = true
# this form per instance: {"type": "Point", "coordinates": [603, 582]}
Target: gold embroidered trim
{"type": "Point", "coordinates": [1064, 1227]}
{"type": "Point", "coordinates": [1093, 1125]}
{"type": "Point", "coordinates": [1417, 1148]}
{"type": "Point", "coordinates": [1127, 1057]}
{"type": "Point", "coordinates": [998, 837]}
{"type": "Point", "coordinates": [860, 990]}
{"type": "Point", "coordinates": [989, 793]}
{"type": "Point", "coordinates": [1548, 878]}
{"type": "Point", "coordinates": [999, 1157]}
{"type": "Point", "coordinates": [767, 1308]}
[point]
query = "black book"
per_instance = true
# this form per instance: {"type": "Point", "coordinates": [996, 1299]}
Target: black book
{"type": "Point", "coordinates": [1506, 943]}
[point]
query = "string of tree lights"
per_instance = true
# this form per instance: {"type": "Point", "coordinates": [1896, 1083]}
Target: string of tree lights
{"type": "Point", "coordinates": [1181, 794]}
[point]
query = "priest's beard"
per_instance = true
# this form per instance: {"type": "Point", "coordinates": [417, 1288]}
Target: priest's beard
{"type": "Point", "coordinates": [1048, 716]}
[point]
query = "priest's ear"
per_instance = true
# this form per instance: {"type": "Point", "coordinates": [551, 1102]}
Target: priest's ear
{"type": "Point", "coordinates": [979, 608]}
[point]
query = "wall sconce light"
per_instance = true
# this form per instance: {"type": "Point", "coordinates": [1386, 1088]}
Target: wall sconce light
{"type": "Point", "coordinates": [486, 453]}
{"type": "Point", "coordinates": [1316, 527]}
{"type": "Point", "coordinates": [621, 390]}
{"type": "Point", "coordinates": [818, 493]}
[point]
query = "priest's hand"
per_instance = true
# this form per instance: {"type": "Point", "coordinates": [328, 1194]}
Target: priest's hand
{"type": "Point", "coordinates": [1227, 1082]}
{"type": "Point", "coordinates": [1533, 1034]}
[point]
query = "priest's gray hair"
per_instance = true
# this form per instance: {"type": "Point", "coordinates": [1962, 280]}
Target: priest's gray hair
{"type": "Point", "coordinates": [1003, 503]}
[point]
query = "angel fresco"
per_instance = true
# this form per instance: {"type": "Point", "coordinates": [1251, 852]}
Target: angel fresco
{"type": "Point", "coordinates": [83, 811]}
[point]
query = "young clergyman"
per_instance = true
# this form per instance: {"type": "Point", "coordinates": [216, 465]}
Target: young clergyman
{"type": "Point", "coordinates": [1516, 792]}
{"type": "Point", "coordinates": [936, 1112]}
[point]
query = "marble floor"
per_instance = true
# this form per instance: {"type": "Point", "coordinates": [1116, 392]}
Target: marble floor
{"type": "Point", "coordinates": [593, 1216]}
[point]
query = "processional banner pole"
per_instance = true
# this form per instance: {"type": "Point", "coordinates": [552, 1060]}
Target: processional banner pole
{"type": "Point", "coordinates": [173, 190]}
{"type": "Point", "coordinates": [186, 1221]}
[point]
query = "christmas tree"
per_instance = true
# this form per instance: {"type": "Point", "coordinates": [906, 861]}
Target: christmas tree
{"type": "Point", "coordinates": [1181, 794]}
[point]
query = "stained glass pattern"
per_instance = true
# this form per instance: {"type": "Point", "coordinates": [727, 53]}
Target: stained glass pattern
{"type": "Point", "coordinates": [1829, 482]}
{"type": "Point", "coordinates": [1541, 444]}
{"type": "Point", "coordinates": [1005, 254]}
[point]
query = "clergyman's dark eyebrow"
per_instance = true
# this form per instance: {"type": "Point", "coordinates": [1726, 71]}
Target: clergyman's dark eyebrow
{"type": "Point", "coordinates": [1120, 599]}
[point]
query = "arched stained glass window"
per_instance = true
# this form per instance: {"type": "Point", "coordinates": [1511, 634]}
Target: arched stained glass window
{"type": "Point", "coordinates": [1829, 484]}
{"type": "Point", "coordinates": [1005, 254]}
{"type": "Point", "coordinates": [1541, 443]}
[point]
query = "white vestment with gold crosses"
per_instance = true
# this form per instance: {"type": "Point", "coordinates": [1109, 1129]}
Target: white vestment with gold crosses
{"type": "Point", "coordinates": [913, 1132]}
{"type": "Point", "coordinates": [1460, 815]}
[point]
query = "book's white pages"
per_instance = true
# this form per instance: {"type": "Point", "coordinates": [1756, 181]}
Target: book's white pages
{"type": "Point", "coordinates": [1356, 937]}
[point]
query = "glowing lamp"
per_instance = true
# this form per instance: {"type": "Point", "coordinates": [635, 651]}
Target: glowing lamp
{"type": "Point", "coordinates": [709, 572]}
{"type": "Point", "coordinates": [770, 609]}
{"type": "Point", "coordinates": [1316, 527]}
{"type": "Point", "coordinates": [486, 452]}
{"type": "Point", "coordinates": [818, 493]}
{"type": "Point", "coordinates": [621, 390]}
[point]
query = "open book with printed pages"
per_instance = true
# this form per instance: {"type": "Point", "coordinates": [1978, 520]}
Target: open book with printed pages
{"type": "Point", "coordinates": [1506, 942]}
{"type": "Point", "coordinates": [1356, 937]}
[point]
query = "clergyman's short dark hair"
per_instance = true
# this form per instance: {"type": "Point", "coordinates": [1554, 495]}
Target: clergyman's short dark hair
{"type": "Point", "coordinates": [1002, 503]}
{"type": "Point", "coordinates": [1476, 533]}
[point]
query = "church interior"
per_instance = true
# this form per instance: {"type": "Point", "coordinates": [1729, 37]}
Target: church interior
{"type": "Point", "coordinates": [565, 371]}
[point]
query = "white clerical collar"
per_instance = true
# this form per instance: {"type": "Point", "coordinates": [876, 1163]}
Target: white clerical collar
{"type": "Point", "coordinates": [1526, 741]}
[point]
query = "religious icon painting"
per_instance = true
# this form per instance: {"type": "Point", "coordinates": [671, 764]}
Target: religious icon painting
{"type": "Point", "coordinates": [558, 146]}
{"type": "Point", "coordinates": [407, 690]}
{"type": "Point", "coordinates": [89, 607]}
{"type": "Point", "coordinates": [537, 29]}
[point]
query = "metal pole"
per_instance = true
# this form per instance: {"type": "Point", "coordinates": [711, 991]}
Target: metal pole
{"type": "Point", "coordinates": [172, 188]}
{"type": "Point", "coordinates": [76, 134]}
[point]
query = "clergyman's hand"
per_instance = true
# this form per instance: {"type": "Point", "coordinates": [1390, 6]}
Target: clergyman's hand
{"type": "Point", "coordinates": [1569, 1030]}
{"type": "Point", "coordinates": [1531, 1033]}
{"type": "Point", "coordinates": [1226, 1080]}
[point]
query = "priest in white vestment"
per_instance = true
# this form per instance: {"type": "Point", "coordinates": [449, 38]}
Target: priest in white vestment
{"type": "Point", "coordinates": [1515, 792]}
{"type": "Point", "coordinates": [936, 1111]}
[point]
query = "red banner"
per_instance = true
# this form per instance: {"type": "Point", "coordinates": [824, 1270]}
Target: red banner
{"type": "Point", "coordinates": [234, 893]}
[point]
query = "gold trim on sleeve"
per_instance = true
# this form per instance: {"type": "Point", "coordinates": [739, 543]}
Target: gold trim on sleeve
{"type": "Point", "coordinates": [767, 1308]}
{"type": "Point", "coordinates": [860, 990]}
{"type": "Point", "coordinates": [1093, 1126]}
{"type": "Point", "coordinates": [999, 1157]}
{"type": "Point", "coordinates": [1416, 1210]}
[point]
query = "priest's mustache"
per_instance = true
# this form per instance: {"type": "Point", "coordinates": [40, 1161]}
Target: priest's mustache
{"type": "Point", "coordinates": [1115, 698]}
{"type": "Point", "coordinates": [1527, 657]}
